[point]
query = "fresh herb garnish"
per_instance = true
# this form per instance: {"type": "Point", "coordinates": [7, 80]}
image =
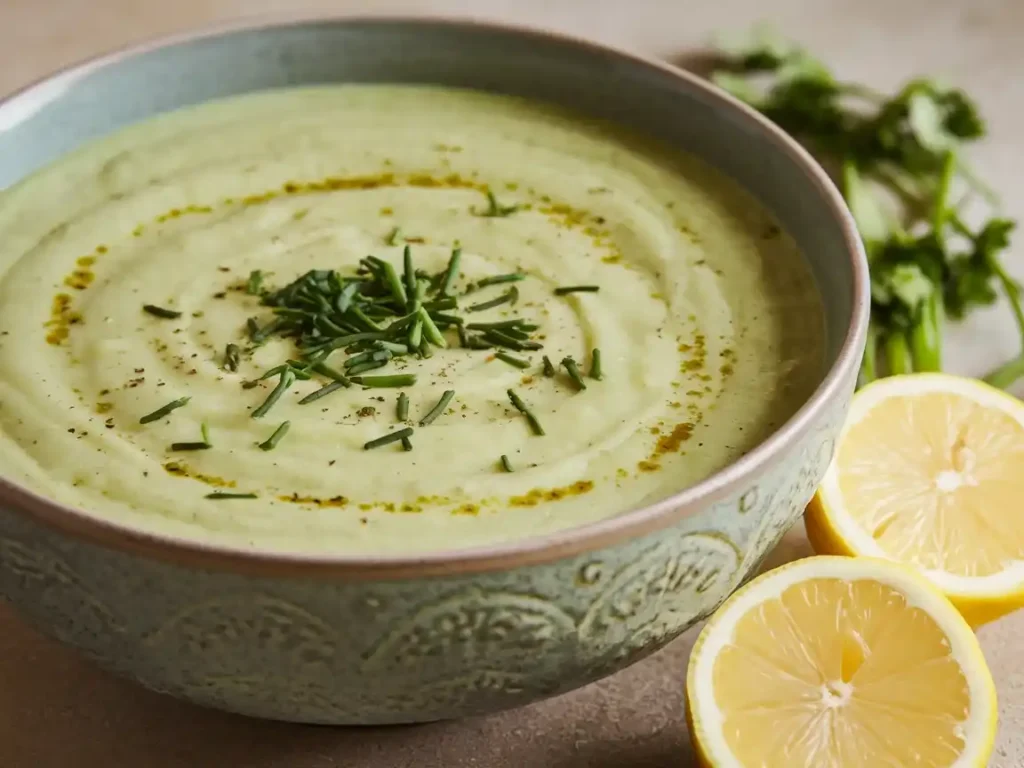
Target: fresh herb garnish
{"type": "Point", "coordinates": [254, 285]}
{"type": "Point", "coordinates": [512, 360]}
{"type": "Point", "coordinates": [204, 431]}
{"type": "Point", "coordinates": [513, 277]}
{"type": "Point", "coordinates": [567, 289]}
{"type": "Point", "coordinates": [218, 495]}
{"type": "Point", "coordinates": [451, 274]}
{"type": "Point", "coordinates": [595, 364]}
{"type": "Point", "coordinates": [195, 446]}
{"type": "Point", "coordinates": [287, 378]}
{"type": "Point", "coordinates": [164, 410]}
{"type": "Point", "coordinates": [396, 380]}
{"type": "Point", "coordinates": [391, 437]}
{"type": "Point", "coordinates": [438, 409]}
{"type": "Point", "coordinates": [506, 464]}
{"type": "Point", "coordinates": [406, 444]}
{"type": "Point", "coordinates": [509, 296]}
{"type": "Point", "coordinates": [232, 356]}
{"type": "Point", "coordinates": [166, 314]}
{"type": "Point", "coordinates": [312, 397]}
{"type": "Point", "coordinates": [271, 442]}
{"type": "Point", "coordinates": [574, 372]}
{"type": "Point", "coordinates": [393, 236]}
{"type": "Point", "coordinates": [524, 409]}
{"type": "Point", "coordinates": [549, 367]}
{"type": "Point", "coordinates": [495, 209]}
{"type": "Point", "coordinates": [402, 409]}
{"type": "Point", "coordinates": [904, 175]}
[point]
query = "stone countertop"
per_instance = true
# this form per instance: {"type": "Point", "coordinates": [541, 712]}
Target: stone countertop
{"type": "Point", "coordinates": [57, 711]}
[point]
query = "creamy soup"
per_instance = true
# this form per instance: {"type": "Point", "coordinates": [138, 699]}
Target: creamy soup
{"type": "Point", "coordinates": [154, 284]}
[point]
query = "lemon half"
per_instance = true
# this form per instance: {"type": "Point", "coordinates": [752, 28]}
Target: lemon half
{"type": "Point", "coordinates": [839, 662]}
{"type": "Point", "coordinates": [929, 471]}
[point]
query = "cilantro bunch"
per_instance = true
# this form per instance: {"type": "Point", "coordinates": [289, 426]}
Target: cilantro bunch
{"type": "Point", "coordinates": [900, 163]}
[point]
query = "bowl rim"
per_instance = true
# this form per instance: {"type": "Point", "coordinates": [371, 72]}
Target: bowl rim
{"type": "Point", "coordinates": [515, 553]}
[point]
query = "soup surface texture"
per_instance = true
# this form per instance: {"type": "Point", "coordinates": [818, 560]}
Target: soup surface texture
{"type": "Point", "coordinates": [705, 315]}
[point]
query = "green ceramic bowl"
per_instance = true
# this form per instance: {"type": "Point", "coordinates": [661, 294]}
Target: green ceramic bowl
{"type": "Point", "coordinates": [377, 640]}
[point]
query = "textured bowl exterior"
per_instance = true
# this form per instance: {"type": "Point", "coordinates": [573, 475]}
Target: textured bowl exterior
{"type": "Point", "coordinates": [326, 645]}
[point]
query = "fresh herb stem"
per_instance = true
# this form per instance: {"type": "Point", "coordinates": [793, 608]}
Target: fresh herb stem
{"type": "Point", "coordinates": [271, 442]}
{"type": "Point", "coordinates": [549, 367]}
{"type": "Point", "coordinates": [869, 363]}
{"type": "Point", "coordinates": [495, 209]}
{"type": "Point", "coordinates": [164, 410]}
{"type": "Point", "coordinates": [897, 354]}
{"type": "Point", "coordinates": [406, 444]}
{"type": "Point", "coordinates": [204, 431]}
{"type": "Point", "coordinates": [567, 289]}
{"type": "Point", "coordinates": [287, 378]}
{"type": "Point", "coordinates": [574, 372]}
{"type": "Point", "coordinates": [524, 409]}
{"type": "Point", "coordinates": [221, 495]}
{"type": "Point", "coordinates": [506, 464]}
{"type": "Point", "coordinates": [512, 360]}
{"type": "Point", "coordinates": [397, 380]}
{"type": "Point", "coordinates": [370, 365]}
{"type": "Point", "coordinates": [196, 446]}
{"type": "Point", "coordinates": [431, 331]}
{"type": "Point", "coordinates": [403, 407]}
{"type": "Point", "coordinates": [155, 311]}
{"type": "Point", "coordinates": [925, 338]}
{"type": "Point", "coordinates": [392, 437]}
{"type": "Point", "coordinates": [325, 370]}
{"type": "Point", "coordinates": [394, 284]}
{"type": "Point", "coordinates": [595, 364]}
{"type": "Point", "coordinates": [394, 236]}
{"type": "Point", "coordinates": [409, 270]}
{"type": "Point", "coordinates": [438, 409]}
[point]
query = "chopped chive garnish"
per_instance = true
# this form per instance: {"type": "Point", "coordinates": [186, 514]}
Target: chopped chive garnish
{"type": "Point", "coordinates": [227, 495]}
{"type": "Point", "coordinates": [286, 380]}
{"type": "Point", "coordinates": [392, 437]}
{"type": "Point", "coordinates": [495, 209]}
{"type": "Point", "coordinates": [159, 413]}
{"type": "Point", "coordinates": [190, 446]}
{"type": "Point", "coordinates": [410, 272]}
{"type": "Point", "coordinates": [204, 430]}
{"type": "Point", "coordinates": [394, 236]}
{"type": "Point", "coordinates": [367, 322]}
{"type": "Point", "coordinates": [254, 284]}
{"type": "Point", "coordinates": [166, 314]}
{"type": "Point", "coordinates": [252, 326]}
{"type": "Point", "coordinates": [549, 367]}
{"type": "Point", "coordinates": [502, 339]}
{"type": "Point", "coordinates": [511, 295]}
{"type": "Point", "coordinates": [394, 284]}
{"type": "Point", "coordinates": [448, 302]}
{"type": "Point", "coordinates": [476, 342]}
{"type": "Point", "coordinates": [232, 356]}
{"type": "Point", "coordinates": [271, 442]}
{"type": "Point", "coordinates": [463, 336]}
{"type": "Point", "coordinates": [451, 274]}
{"type": "Point", "coordinates": [395, 349]}
{"type": "Point", "coordinates": [416, 332]}
{"type": "Point", "coordinates": [403, 406]}
{"type": "Point", "coordinates": [506, 464]}
{"type": "Point", "coordinates": [518, 362]}
{"type": "Point", "coordinates": [438, 409]}
{"type": "Point", "coordinates": [595, 364]}
{"type": "Point", "coordinates": [576, 289]}
{"type": "Point", "coordinates": [445, 318]}
{"type": "Point", "coordinates": [397, 380]}
{"type": "Point", "coordinates": [574, 372]}
{"type": "Point", "coordinates": [261, 334]}
{"type": "Point", "coordinates": [430, 331]}
{"type": "Point", "coordinates": [407, 443]}
{"type": "Point", "coordinates": [325, 370]}
{"type": "Point", "coordinates": [334, 386]}
{"type": "Point", "coordinates": [524, 409]}
{"type": "Point", "coordinates": [513, 323]}
{"type": "Point", "coordinates": [370, 365]}
{"type": "Point", "coordinates": [513, 277]}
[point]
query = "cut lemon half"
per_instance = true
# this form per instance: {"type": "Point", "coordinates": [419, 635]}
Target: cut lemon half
{"type": "Point", "coordinates": [840, 662]}
{"type": "Point", "coordinates": [929, 471]}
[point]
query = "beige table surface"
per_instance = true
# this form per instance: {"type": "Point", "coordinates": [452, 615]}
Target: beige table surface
{"type": "Point", "coordinates": [57, 711]}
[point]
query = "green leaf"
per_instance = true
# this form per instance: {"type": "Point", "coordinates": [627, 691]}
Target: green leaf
{"type": "Point", "coordinates": [871, 220]}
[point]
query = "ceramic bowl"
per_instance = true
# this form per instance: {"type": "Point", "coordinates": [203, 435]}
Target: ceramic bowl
{"type": "Point", "coordinates": [375, 640]}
